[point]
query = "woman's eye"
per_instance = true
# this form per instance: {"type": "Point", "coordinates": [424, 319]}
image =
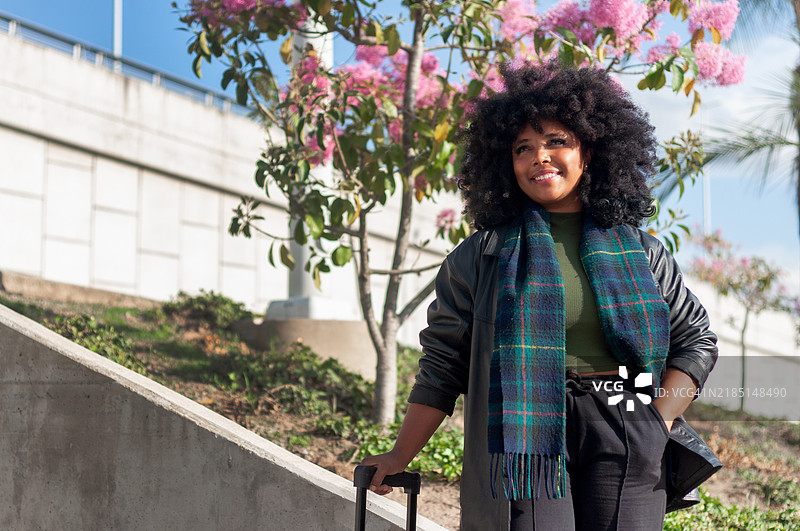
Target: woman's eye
{"type": "Point", "coordinates": [558, 141]}
{"type": "Point", "coordinates": [521, 149]}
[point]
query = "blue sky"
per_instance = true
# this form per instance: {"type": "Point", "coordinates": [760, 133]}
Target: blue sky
{"type": "Point", "coordinates": [763, 221]}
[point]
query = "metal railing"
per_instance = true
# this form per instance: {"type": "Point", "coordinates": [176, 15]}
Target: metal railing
{"type": "Point", "coordinates": [103, 58]}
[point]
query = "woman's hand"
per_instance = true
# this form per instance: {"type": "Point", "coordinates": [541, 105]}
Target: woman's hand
{"type": "Point", "coordinates": [677, 392]}
{"type": "Point", "coordinates": [386, 464]}
{"type": "Point", "coordinates": [418, 426]}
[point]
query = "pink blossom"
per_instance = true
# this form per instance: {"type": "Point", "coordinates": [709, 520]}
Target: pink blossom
{"type": "Point", "coordinates": [237, 6]}
{"type": "Point", "coordinates": [446, 219]}
{"type": "Point", "coordinates": [718, 15]}
{"type": "Point", "coordinates": [709, 60]}
{"type": "Point", "coordinates": [732, 70]}
{"type": "Point", "coordinates": [373, 55]}
{"type": "Point", "coordinates": [657, 53]}
{"type": "Point", "coordinates": [519, 19]}
{"type": "Point", "coordinates": [626, 17]}
{"type": "Point", "coordinates": [568, 14]}
{"type": "Point", "coordinates": [430, 63]}
{"type": "Point", "coordinates": [718, 65]}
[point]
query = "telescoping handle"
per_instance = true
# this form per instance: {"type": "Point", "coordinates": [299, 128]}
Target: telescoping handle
{"type": "Point", "coordinates": [410, 481]}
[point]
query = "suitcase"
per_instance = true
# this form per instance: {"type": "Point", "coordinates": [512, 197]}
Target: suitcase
{"type": "Point", "coordinates": [410, 481]}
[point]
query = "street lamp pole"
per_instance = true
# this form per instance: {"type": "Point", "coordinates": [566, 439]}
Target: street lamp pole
{"type": "Point", "coordinates": [117, 28]}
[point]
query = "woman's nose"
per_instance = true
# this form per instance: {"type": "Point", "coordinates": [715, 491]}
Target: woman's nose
{"type": "Point", "coordinates": [540, 156]}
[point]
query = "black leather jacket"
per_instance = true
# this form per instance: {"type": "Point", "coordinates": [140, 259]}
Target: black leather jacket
{"type": "Point", "coordinates": [458, 342]}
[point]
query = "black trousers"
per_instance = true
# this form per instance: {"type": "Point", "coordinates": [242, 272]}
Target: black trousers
{"type": "Point", "coordinates": [615, 467]}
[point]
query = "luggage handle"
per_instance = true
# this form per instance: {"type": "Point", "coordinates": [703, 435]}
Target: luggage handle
{"type": "Point", "coordinates": [409, 481]}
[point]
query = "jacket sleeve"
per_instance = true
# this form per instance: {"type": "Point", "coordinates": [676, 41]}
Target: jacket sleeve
{"type": "Point", "coordinates": [693, 347]}
{"type": "Point", "coordinates": [446, 341]}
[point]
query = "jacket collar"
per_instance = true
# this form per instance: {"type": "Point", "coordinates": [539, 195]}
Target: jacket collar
{"type": "Point", "coordinates": [496, 237]}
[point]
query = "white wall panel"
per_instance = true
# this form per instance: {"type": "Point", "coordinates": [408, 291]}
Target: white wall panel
{"type": "Point", "coordinates": [114, 246]}
{"type": "Point", "coordinates": [199, 254]}
{"type": "Point", "coordinates": [20, 234]}
{"type": "Point", "coordinates": [158, 276]}
{"type": "Point", "coordinates": [239, 283]}
{"type": "Point", "coordinates": [199, 205]}
{"type": "Point", "coordinates": [68, 202]}
{"type": "Point", "coordinates": [22, 167]}
{"type": "Point", "coordinates": [160, 223]}
{"type": "Point", "coordinates": [66, 261]}
{"type": "Point", "coordinates": [116, 185]}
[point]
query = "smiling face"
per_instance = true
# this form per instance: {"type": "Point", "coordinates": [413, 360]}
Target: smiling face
{"type": "Point", "coordinates": [549, 165]}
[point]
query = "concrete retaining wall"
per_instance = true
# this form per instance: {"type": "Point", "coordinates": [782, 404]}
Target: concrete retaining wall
{"type": "Point", "coordinates": [88, 444]}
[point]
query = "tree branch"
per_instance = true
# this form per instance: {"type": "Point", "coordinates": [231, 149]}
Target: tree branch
{"type": "Point", "coordinates": [413, 72]}
{"type": "Point", "coordinates": [405, 271]}
{"type": "Point", "coordinates": [364, 285]}
{"type": "Point", "coordinates": [414, 303]}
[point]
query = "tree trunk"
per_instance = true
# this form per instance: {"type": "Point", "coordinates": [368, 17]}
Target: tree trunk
{"type": "Point", "coordinates": [744, 331]}
{"type": "Point", "coordinates": [386, 372]}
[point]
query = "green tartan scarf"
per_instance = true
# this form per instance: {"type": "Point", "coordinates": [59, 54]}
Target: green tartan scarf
{"type": "Point", "coordinates": [527, 392]}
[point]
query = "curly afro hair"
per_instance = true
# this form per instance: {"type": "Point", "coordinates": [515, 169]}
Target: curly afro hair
{"type": "Point", "coordinates": [595, 108]}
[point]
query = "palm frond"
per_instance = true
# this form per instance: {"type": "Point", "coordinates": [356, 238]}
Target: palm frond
{"type": "Point", "coordinates": [761, 148]}
{"type": "Point", "coordinates": [759, 18]}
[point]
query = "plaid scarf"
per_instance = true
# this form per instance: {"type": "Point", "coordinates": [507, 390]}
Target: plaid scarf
{"type": "Point", "coordinates": [527, 410]}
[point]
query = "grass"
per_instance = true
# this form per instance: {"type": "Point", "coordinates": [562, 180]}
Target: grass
{"type": "Point", "coordinates": [290, 395]}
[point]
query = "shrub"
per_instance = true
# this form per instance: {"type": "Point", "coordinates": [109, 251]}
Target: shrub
{"type": "Point", "coordinates": [209, 307]}
{"type": "Point", "coordinates": [99, 338]}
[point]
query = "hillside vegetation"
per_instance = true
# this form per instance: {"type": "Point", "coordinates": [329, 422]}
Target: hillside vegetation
{"type": "Point", "coordinates": [319, 410]}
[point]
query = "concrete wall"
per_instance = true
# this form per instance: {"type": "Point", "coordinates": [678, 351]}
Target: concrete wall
{"type": "Point", "coordinates": [88, 444]}
{"type": "Point", "coordinates": [112, 182]}
{"type": "Point", "coordinates": [772, 362]}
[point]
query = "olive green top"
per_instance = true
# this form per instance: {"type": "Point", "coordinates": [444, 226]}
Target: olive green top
{"type": "Point", "coordinates": [587, 350]}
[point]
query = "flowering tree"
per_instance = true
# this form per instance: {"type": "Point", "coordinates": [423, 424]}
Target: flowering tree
{"type": "Point", "coordinates": [387, 120]}
{"type": "Point", "coordinates": [751, 281]}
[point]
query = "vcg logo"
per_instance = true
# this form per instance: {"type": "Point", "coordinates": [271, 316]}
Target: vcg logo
{"type": "Point", "coordinates": [644, 379]}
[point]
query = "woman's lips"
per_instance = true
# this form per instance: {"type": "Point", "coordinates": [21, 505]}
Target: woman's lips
{"type": "Point", "coordinates": [544, 175]}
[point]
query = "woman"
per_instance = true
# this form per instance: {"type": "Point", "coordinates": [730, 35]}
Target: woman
{"type": "Point", "coordinates": [541, 314]}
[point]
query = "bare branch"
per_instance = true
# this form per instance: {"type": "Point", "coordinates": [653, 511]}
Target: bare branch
{"type": "Point", "coordinates": [405, 271]}
{"type": "Point", "coordinates": [364, 285]}
{"type": "Point", "coordinates": [414, 303]}
{"type": "Point", "coordinates": [342, 230]}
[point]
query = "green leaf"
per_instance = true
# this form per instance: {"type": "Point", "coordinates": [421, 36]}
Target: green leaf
{"type": "Point", "coordinates": [661, 80]}
{"type": "Point", "coordinates": [303, 169]}
{"type": "Point", "coordinates": [446, 32]}
{"type": "Point", "coordinates": [227, 77]}
{"type": "Point", "coordinates": [241, 92]}
{"type": "Point", "coordinates": [423, 129]}
{"type": "Point", "coordinates": [315, 224]}
{"type": "Point", "coordinates": [286, 50]}
{"type": "Point", "coordinates": [341, 255]}
{"type": "Point", "coordinates": [474, 88]}
{"type": "Point", "coordinates": [323, 7]}
{"type": "Point", "coordinates": [675, 7]}
{"type": "Point", "coordinates": [392, 40]}
{"type": "Point", "coordinates": [300, 233]}
{"type": "Point", "coordinates": [202, 41]}
{"type": "Point", "coordinates": [375, 30]}
{"type": "Point", "coordinates": [286, 257]}
{"type": "Point", "coordinates": [677, 77]}
{"type": "Point", "coordinates": [315, 276]}
{"type": "Point", "coordinates": [196, 66]}
{"type": "Point", "coordinates": [270, 258]}
{"type": "Point", "coordinates": [348, 15]}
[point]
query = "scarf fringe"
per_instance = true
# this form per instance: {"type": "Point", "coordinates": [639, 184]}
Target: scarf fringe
{"type": "Point", "coordinates": [522, 471]}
